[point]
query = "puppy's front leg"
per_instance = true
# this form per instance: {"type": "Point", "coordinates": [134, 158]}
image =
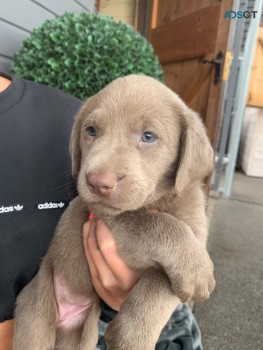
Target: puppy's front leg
{"type": "Point", "coordinates": [143, 314]}
{"type": "Point", "coordinates": [161, 239]}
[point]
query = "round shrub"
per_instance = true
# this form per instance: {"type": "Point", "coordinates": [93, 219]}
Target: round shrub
{"type": "Point", "coordinates": [81, 53]}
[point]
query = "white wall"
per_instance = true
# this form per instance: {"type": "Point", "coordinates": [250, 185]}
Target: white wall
{"type": "Point", "coordinates": [19, 17]}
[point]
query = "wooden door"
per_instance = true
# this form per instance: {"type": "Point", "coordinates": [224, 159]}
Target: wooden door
{"type": "Point", "coordinates": [184, 35]}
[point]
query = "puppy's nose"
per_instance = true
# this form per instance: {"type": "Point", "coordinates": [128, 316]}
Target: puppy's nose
{"type": "Point", "coordinates": [102, 182]}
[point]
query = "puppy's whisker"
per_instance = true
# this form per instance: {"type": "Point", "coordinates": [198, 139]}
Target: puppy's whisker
{"type": "Point", "coordinates": [140, 185]}
{"type": "Point", "coordinates": [63, 189]}
{"type": "Point", "coordinates": [126, 167]}
{"type": "Point", "coordinates": [63, 173]}
{"type": "Point", "coordinates": [65, 184]}
{"type": "Point", "coordinates": [61, 176]}
{"type": "Point", "coordinates": [146, 180]}
{"type": "Point", "coordinates": [141, 180]}
{"type": "Point", "coordinates": [139, 162]}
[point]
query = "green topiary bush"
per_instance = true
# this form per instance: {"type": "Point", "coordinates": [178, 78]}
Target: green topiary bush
{"type": "Point", "coordinates": [81, 53]}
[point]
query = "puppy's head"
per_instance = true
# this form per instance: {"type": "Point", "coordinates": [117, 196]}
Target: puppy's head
{"type": "Point", "coordinates": [134, 142]}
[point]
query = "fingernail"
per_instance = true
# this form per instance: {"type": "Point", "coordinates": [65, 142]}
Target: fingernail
{"type": "Point", "coordinates": [91, 216]}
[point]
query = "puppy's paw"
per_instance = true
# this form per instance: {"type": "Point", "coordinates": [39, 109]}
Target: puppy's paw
{"type": "Point", "coordinates": [204, 282]}
{"type": "Point", "coordinates": [114, 336]}
{"type": "Point", "coordinates": [194, 279]}
{"type": "Point", "coordinates": [124, 336]}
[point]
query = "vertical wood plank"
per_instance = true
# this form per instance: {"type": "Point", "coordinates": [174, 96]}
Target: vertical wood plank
{"type": "Point", "coordinates": [145, 9]}
{"type": "Point", "coordinates": [123, 10]}
{"type": "Point", "coordinates": [211, 117]}
{"type": "Point", "coordinates": [154, 13]}
{"type": "Point", "coordinates": [255, 91]}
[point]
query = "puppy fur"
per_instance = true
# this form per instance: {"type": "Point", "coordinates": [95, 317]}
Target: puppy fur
{"type": "Point", "coordinates": [162, 171]}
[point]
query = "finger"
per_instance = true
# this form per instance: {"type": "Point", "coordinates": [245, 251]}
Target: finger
{"type": "Point", "coordinates": [109, 298]}
{"type": "Point", "coordinates": [112, 296]}
{"type": "Point", "coordinates": [103, 272]}
{"type": "Point", "coordinates": [88, 228]}
{"type": "Point", "coordinates": [125, 276]}
{"type": "Point", "coordinates": [85, 233]}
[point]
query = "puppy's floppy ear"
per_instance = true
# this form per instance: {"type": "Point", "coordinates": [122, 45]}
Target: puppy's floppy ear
{"type": "Point", "coordinates": [195, 152]}
{"type": "Point", "coordinates": [74, 145]}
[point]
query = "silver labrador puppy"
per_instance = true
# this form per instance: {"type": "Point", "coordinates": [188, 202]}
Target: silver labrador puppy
{"type": "Point", "coordinates": [135, 146]}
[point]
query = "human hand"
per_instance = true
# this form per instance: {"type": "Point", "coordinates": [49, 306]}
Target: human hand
{"type": "Point", "coordinates": [111, 277]}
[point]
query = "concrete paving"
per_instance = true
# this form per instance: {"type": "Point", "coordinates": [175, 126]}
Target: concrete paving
{"type": "Point", "coordinates": [232, 319]}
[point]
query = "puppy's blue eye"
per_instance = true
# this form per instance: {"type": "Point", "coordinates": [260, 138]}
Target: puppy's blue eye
{"type": "Point", "coordinates": [148, 137]}
{"type": "Point", "coordinates": [91, 131]}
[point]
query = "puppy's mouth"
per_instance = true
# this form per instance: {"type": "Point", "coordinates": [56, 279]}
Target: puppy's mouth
{"type": "Point", "coordinates": [126, 197]}
{"type": "Point", "coordinates": [101, 206]}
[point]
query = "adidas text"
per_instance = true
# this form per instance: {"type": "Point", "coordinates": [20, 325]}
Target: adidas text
{"type": "Point", "coordinates": [11, 208]}
{"type": "Point", "coordinates": [50, 205]}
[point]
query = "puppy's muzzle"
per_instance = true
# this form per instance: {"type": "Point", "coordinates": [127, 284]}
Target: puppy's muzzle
{"type": "Point", "coordinates": [103, 183]}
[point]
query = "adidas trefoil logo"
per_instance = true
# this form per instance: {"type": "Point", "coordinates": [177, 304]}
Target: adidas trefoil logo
{"type": "Point", "coordinates": [11, 208]}
{"type": "Point", "coordinates": [18, 207]}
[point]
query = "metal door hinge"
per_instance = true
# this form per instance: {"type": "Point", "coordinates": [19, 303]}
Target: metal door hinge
{"type": "Point", "coordinates": [217, 62]}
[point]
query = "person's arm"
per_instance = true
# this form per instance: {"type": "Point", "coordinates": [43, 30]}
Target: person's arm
{"type": "Point", "coordinates": [6, 328]}
{"type": "Point", "coordinates": [4, 83]}
{"type": "Point", "coordinates": [6, 335]}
